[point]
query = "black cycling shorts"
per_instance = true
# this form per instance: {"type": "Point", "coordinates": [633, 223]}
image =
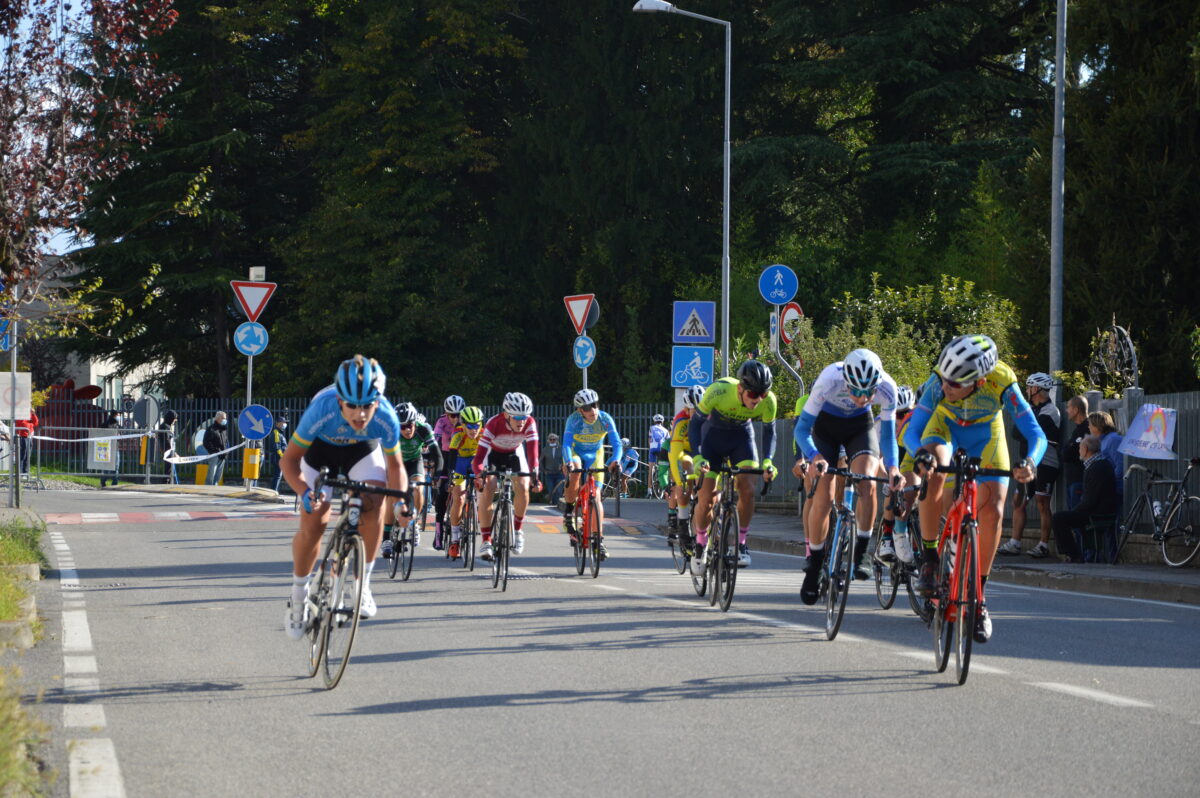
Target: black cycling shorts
{"type": "Point", "coordinates": [856, 434]}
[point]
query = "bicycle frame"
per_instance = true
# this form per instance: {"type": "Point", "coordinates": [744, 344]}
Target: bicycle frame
{"type": "Point", "coordinates": [587, 500]}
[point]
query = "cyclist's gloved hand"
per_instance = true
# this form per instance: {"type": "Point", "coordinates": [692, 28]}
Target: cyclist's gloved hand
{"type": "Point", "coordinates": [769, 467]}
{"type": "Point", "coordinates": [924, 460]}
{"type": "Point", "coordinates": [306, 500]}
{"type": "Point", "coordinates": [698, 463]}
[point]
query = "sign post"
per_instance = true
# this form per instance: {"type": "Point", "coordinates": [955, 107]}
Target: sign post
{"type": "Point", "coordinates": [778, 285]}
{"type": "Point", "coordinates": [584, 312]}
{"type": "Point", "coordinates": [250, 338]}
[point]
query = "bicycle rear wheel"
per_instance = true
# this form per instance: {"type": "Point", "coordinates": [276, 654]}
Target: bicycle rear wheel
{"type": "Point", "coordinates": [1128, 525]}
{"type": "Point", "coordinates": [713, 552]}
{"type": "Point", "coordinates": [886, 574]}
{"type": "Point", "coordinates": [316, 627]}
{"type": "Point", "coordinates": [966, 602]}
{"type": "Point", "coordinates": [728, 559]}
{"type": "Point", "coordinates": [594, 541]}
{"type": "Point", "coordinates": [394, 563]}
{"type": "Point", "coordinates": [579, 549]}
{"type": "Point", "coordinates": [505, 550]}
{"type": "Point", "coordinates": [1181, 532]}
{"type": "Point", "coordinates": [405, 552]}
{"type": "Point", "coordinates": [943, 619]}
{"type": "Point", "coordinates": [839, 579]}
{"type": "Point", "coordinates": [677, 558]}
{"type": "Point", "coordinates": [470, 537]}
{"type": "Point", "coordinates": [345, 602]}
{"type": "Point", "coordinates": [497, 542]}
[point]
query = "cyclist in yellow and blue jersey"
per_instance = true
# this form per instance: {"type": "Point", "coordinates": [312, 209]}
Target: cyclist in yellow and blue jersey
{"type": "Point", "coordinates": [721, 429]}
{"type": "Point", "coordinates": [464, 441]}
{"type": "Point", "coordinates": [583, 445]}
{"type": "Point", "coordinates": [960, 406]}
{"type": "Point", "coordinates": [679, 458]}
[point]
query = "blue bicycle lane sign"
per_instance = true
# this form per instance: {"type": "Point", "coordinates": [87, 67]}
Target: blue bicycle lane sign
{"type": "Point", "coordinates": [691, 365]}
{"type": "Point", "coordinates": [778, 284]}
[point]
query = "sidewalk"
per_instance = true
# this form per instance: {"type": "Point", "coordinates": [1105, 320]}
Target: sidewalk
{"type": "Point", "coordinates": [781, 534]}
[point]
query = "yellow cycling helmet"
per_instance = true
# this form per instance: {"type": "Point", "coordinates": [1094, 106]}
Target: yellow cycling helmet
{"type": "Point", "coordinates": [472, 415]}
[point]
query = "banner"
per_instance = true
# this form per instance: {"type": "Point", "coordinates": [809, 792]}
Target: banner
{"type": "Point", "coordinates": [1151, 435]}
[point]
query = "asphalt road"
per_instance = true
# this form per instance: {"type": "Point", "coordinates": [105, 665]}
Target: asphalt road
{"type": "Point", "coordinates": [165, 672]}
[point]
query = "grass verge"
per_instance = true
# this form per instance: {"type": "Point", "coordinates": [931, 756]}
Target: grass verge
{"type": "Point", "coordinates": [20, 734]}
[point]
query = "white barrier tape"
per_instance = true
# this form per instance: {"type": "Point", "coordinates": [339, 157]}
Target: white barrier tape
{"type": "Point", "coordinates": [84, 440]}
{"type": "Point", "coordinates": [200, 458]}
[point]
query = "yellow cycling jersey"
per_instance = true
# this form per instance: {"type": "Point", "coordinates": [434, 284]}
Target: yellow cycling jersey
{"type": "Point", "coordinates": [982, 405]}
{"type": "Point", "coordinates": [721, 403]}
{"type": "Point", "coordinates": [464, 443]}
{"type": "Point", "coordinates": [679, 431]}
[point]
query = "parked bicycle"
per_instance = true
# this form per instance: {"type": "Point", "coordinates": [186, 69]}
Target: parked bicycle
{"type": "Point", "coordinates": [585, 544]}
{"type": "Point", "coordinates": [503, 530]}
{"type": "Point", "coordinates": [1175, 525]}
{"type": "Point", "coordinates": [334, 597]}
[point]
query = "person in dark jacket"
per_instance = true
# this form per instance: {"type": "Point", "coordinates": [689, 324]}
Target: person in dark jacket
{"type": "Point", "coordinates": [277, 441]}
{"type": "Point", "coordinates": [216, 440]}
{"type": "Point", "coordinates": [1072, 466]}
{"type": "Point", "coordinates": [113, 422]}
{"type": "Point", "coordinates": [165, 440]}
{"type": "Point", "coordinates": [1099, 498]}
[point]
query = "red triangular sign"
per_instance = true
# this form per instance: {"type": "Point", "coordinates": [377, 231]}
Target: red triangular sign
{"type": "Point", "coordinates": [577, 308]}
{"type": "Point", "coordinates": [253, 297]}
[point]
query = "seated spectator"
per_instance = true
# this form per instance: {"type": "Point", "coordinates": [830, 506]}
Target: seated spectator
{"type": "Point", "coordinates": [1099, 498]}
{"type": "Point", "coordinates": [1101, 425]}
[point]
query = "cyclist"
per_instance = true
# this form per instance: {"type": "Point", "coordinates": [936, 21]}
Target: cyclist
{"type": "Point", "coordinates": [1037, 390]}
{"type": "Point", "coordinates": [417, 444]}
{"type": "Point", "coordinates": [463, 446]}
{"type": "Point", "coordinates": [657, 455]}
{"type": "Point", "coordinates": [960, 407]}
{"type": "Point", "coordinates": [510, 440]}
{"type": "Point", "coordinates": [444, 430]}
{"type": "Point", "coordinates": [838, 414]}
{"type": "Point", "coordinates": [630, 460]}
{"type": "Point", "coordinates": [583, 445]}
{"type": "Point", "coordinates": [680, 459]}
{"type": "Point", "coordinates": [892, 545]}
{"type": "Point", "coordinates": [351, 428]}
{"type": "Point", "coordinates": [721, 429]}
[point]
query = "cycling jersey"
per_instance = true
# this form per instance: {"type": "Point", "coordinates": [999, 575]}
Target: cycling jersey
{"type": "Point", "coordinates": [679, 429]}
{"type": "Point", "coordinates": [830, 395]}
{"type": "Point", "coordinates": [582, 437]}
{"type": "Point", "coordinates": [1050, 420]}
{"type": "Point", "coordinates": [412, 448]}
{"type": "Point", "coordinates": [499, 437]}
{"type": "Point", "coordinates": [977, 416]}
{"type": "Point", "coordinates": [658, 436]}
{"type": "Point", "coordinates": [463, 443]}
{"type": "Point", "coordinates": [721, 409]}
{"type": "Point", "coordinates": [630, 460]}
{"type": "Point", "coordinates": [444, 430]}
{"type": "Point", "coordinates": [323, 421]}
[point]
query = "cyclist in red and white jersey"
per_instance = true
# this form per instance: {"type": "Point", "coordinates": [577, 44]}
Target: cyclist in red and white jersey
{"type": "Point", "coordinates": [509, 440]}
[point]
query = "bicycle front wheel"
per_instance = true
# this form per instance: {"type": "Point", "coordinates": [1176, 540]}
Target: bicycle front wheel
{"type": "Point", "coordinates": [1181, 532]}
{"type": "Point", "coordinates": [713, 553]}
{"type": "Point", "coordinates": [316, 626]}
{"type": "Point", "coordinates": [404, 552]}
{"type": "Point", "coordinates": [579, 547]}
{"type": "Point", "coordinates": [886, 574]}
{"type": "Point", "coordinates": [943, 617]}
{"type": "Point", "coordinates": [468, 541]}
{"type": "Point", "coordinates": [341, 616]}
{"type": "Point", "coordinates": [498, 542]}
{"type": "Point", "coordinates": [594, 541]}
{"type": "Point", "coordinates": [966, 601]}
{"type": "Point", "coordinates": [728, 559]}
{"type": "Point", "coordinates": [394, 563]}
{"type": "Point", "coordinates": [839, 579]}
{"type": "Point", "coordinates": [505, 550]}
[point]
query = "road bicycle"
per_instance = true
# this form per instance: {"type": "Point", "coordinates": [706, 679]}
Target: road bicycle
{"type": "Point", "coordinates": [334, 597]}
{"type": "Point", "coordinates": [721, 553]}
{"type": "Point", "coordinates": [468, 543]}
{"type": "Point", "coordinates": [838, 571]}
{"type": "Point", "coordinates": [890, 575]}
{"type": "Point", "coordinates": [959, 591]}
{"type": "Point", "coordinates": [503, 531]}
{"type": "Point", "coordinates": [1175, 524]}
{"type": "Point", "coordinates": [685, 542]}
{"type": "Point", "coordinates": [585, 545]}
{"type": "Point", "coordinates": [658, 481]}
{"type": "Point", "coordinates": [403, 547]}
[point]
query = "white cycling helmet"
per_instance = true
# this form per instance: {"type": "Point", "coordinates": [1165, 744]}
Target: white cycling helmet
{"type": "Point", "coordinates": [967, 358]}
{"type": "Point", "coordinates": [625, 442]}
{"type": "Point", "coordinates": [585, 397]}
{"type": "Point", "coordinates": [518, 404]}
{"type": "Point", "coordinates": [905, 398]}
{"type": "Point", "coordinates": [454, 404]}
{"type": "Point", "coordinates": [658, 418]}
{"type": "Point", "coordinates": [862, 370]}
{"type": "Point", "coordinates": [1040, 379]}
{"type": "Point", "coordinates": [692, 396]}
{"type": "Point", "coordinates": [406, 413]}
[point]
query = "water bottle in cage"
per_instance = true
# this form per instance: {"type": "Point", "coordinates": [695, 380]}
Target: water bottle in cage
{"type": "Point", "coordinates": [1158, 509]}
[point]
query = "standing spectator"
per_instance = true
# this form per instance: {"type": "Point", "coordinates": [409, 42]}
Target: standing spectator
{"type": "Point", "coordinates": [113, 422]}
{"type": "Point", "coordinates": [1077, 412]}
{"type": "Point", "coordinates": [1101, 425]}
{"type": "Point", "coordinates": [551, 460]}
{"type": "Point", "coordinates": [216, 440]}
{"type": "Point", "coordinates": [276, 444]}
{"type": "Point", "coordinates": [166, 441]}
{"type": "Point", "coordinates": [1099, 498]}
{"type": "Point", "coordinates": [1037, 389]}
{"type": "Point", "coordinates": [25, 428]}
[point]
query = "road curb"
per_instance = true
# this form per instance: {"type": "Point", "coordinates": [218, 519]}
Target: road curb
{"type": "Point", "coordinates": [1100, 584]}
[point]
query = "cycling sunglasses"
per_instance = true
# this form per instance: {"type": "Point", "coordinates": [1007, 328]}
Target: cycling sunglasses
{"type": "Point", "coordinates": [453, 415]}
{"type": "Point", "coordinates": [953, 384]}
{"type": "Point", "coordinates": [518, 418]}
{"type": "Point", "coordinates": [592, 406]}
{"type": "Point", "coordinates": [472, 426]}
{"type": "Point", "coordinates": [860, 392]}
{"type": "Point", "coordinates": [753, 394]}
{"type": "Point", "coordinates": [353, 406]}
{"type": "Point", "coordinates": [407, 426]}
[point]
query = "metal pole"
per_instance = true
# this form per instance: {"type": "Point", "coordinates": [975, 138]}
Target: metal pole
{"type": "Point", "coordinates": [249, 483]}
{"type": "Point", "coordinates": [725, 209]}
{"type": "Point", "coordinates": [1057, 169]}
{"type": "Point", "coordinates": [585, 376]}
{"type": "Point", "coordinates": [14, 448]}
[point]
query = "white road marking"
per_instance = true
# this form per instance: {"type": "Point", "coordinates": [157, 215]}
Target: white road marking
{"type": "Point", "coordinates": [75, 634]}
{"type": "Point", "coordinates": [79, 665]}
{"type": "Point", "coordinates": [94, 770]}
{"type": "Point", "coordinates": [84, 715]}
{"type": "Point", "coordinates": [1094, 695]}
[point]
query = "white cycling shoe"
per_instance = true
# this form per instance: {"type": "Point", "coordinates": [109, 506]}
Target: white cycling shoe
{"type": "Point", "coordinates": [367, 608]}
{"type": "Point", "coordinates": [292, 624]}
{"type": "Point", "coordinates": [519, 543]}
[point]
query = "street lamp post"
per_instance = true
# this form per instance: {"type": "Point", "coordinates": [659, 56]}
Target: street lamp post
{"type": "Point", "coordinates": [660, 6]}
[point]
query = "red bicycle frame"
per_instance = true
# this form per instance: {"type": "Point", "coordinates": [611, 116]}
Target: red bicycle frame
{"type": "Point", "coordinates": [961, 511]}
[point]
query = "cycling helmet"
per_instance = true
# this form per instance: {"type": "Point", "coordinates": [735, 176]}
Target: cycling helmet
{"type": "Point", "coordinates": [967, 358]}
{"type": "Point", "coordinates": [691, 397]}
{"type": "Point", "coordinates": [518, 404]}
{"type": "Point", "coordinates": [754, 376]}
{"type": "Point", "coordinates": [905, 398]}
{"type": "Point", "coordinates": [861, 370]}
{"type": "Point", "coordinates": [359, 380]}
{"type": "Point", "coordinates": [625, 442]}
{"type": "Point", "coordinates": [454, 404]}
{"type": "Point", "coordinates": [586, 397]}
{"type": "Point", "coordinates": [1040, 379]}
{"type": "Point", "coordinates": [472, 415]}
{"type": "Point", "coordinates": [406, 413]}
{"type": "Point", "coordinates": [658, 418]}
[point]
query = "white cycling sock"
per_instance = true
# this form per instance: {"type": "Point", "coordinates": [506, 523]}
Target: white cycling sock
{"type": "Point", "coordinates": [456, 533]}
{"type": "Point", "coordinates": [864, 533]}
{"type": "Point", "coordinates": [299, 589]}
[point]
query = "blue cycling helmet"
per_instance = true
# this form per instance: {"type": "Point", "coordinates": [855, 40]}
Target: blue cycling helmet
{"type": "Point", "coordinates": [360, 380]}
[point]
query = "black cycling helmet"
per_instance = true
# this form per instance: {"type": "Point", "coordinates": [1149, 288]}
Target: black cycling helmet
{"type": "Point", "coordinates": [754, 376]}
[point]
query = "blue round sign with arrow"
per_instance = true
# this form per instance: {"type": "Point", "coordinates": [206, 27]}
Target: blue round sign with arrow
{"type": "Point", "coordinates": [255, 423]}
{"type": "Point", "coordinates": [584, 351]}
{"type": "Point", "coordinates": [251, 338]}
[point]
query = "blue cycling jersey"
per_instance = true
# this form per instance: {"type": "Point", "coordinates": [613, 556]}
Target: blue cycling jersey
{"type": "Point", "coordinates": [580, 436]}
{"type": "Point", "coordinates": [323, 419]}
{"type": "Point", "coordinates": [658, 436]}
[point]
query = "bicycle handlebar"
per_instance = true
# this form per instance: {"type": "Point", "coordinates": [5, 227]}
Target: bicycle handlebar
{"type": "Point", "coordinates": [492, 472]}
{"type": "Point", "coordinates": [325, 481]}
{"type": "Point", "coordinates": [845, 472]}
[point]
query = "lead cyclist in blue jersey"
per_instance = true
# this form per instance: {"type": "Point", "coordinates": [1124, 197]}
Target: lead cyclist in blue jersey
{"type": "Point", "coordinates": [349, 428]}
{"type": "Point", "coordinates": [583, 444]}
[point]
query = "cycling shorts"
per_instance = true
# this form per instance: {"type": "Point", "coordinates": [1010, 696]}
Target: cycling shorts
{"type": "Point", "coordinates": [514, 461]}
{"type": "Point", "coordinates": [415, 468]}
{"type": "Point", "coordinates": [736, 444]}
{"type": "Point", "coordinates": [589, 460]}
{"type": "Point", "coordinates": [360, 462]}
{"type": "Point", "coordinates": [1042, 485]}
{"type": "Point", "coordinates": [855, 435]}
{"type": "Point", "coordinates": [680, 458]}
{"type": "Point", "coordinates": [462, 470]}
{"type": "Point", "coordinates": [985, 441]}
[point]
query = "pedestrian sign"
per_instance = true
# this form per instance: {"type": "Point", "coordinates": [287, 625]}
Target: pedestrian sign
{"type": "Point", "coordinates": [253, 297]}
{"type": "Point", "coordinates": [584, 351]}
{"type": "Point", "coordinates": [577, 308]}
{"type": "Point", "coordinates": [778, 284]}
{"type": "Point", "coordinates": [255, 422]}
{"type": "Point", "coordinates": [694, 322]}
{"type": "Point", "coordinates": [251, 338]}
{"type": "Point", "coordinates": [691, 365]}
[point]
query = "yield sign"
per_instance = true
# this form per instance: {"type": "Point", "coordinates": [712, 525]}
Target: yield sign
{"type": "Point", "coordinates": [253, 297]}
{"type": "Point", "coordinates": [577, 308]}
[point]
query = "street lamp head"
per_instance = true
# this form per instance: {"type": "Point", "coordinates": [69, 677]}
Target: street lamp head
{"type": "Point", "coordinates": [654, 5]}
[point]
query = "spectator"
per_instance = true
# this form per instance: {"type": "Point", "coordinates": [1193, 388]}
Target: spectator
{"type": "Point", "coordinates": [113, 422]}
{"type": "Point", "coordinates": [216, 440]}
{"type": "Point", "coordinates": [1099, 497]}
{"type": "Point", "coordinates": [276, 444]}
{"type": "Point", "coordinates": [1037, 389]}
{"type": "Point", "coordinates": [166, 441]}
{"type": "Point", "coordinates": [1101, 425]}
{"type": "Point", "coordinates": [551, 462]}
{"type": "Point", "coordinates": [25, 428]}
{"type": "Point", "coordinates": [1072, 466]}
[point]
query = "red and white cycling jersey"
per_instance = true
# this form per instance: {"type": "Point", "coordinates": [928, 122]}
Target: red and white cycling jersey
{"type": "Point", "coordinates": [498, 436]}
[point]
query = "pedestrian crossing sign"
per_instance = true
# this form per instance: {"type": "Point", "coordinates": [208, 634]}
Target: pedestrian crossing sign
{"type": "Point", "coordinates": [694, 322]}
